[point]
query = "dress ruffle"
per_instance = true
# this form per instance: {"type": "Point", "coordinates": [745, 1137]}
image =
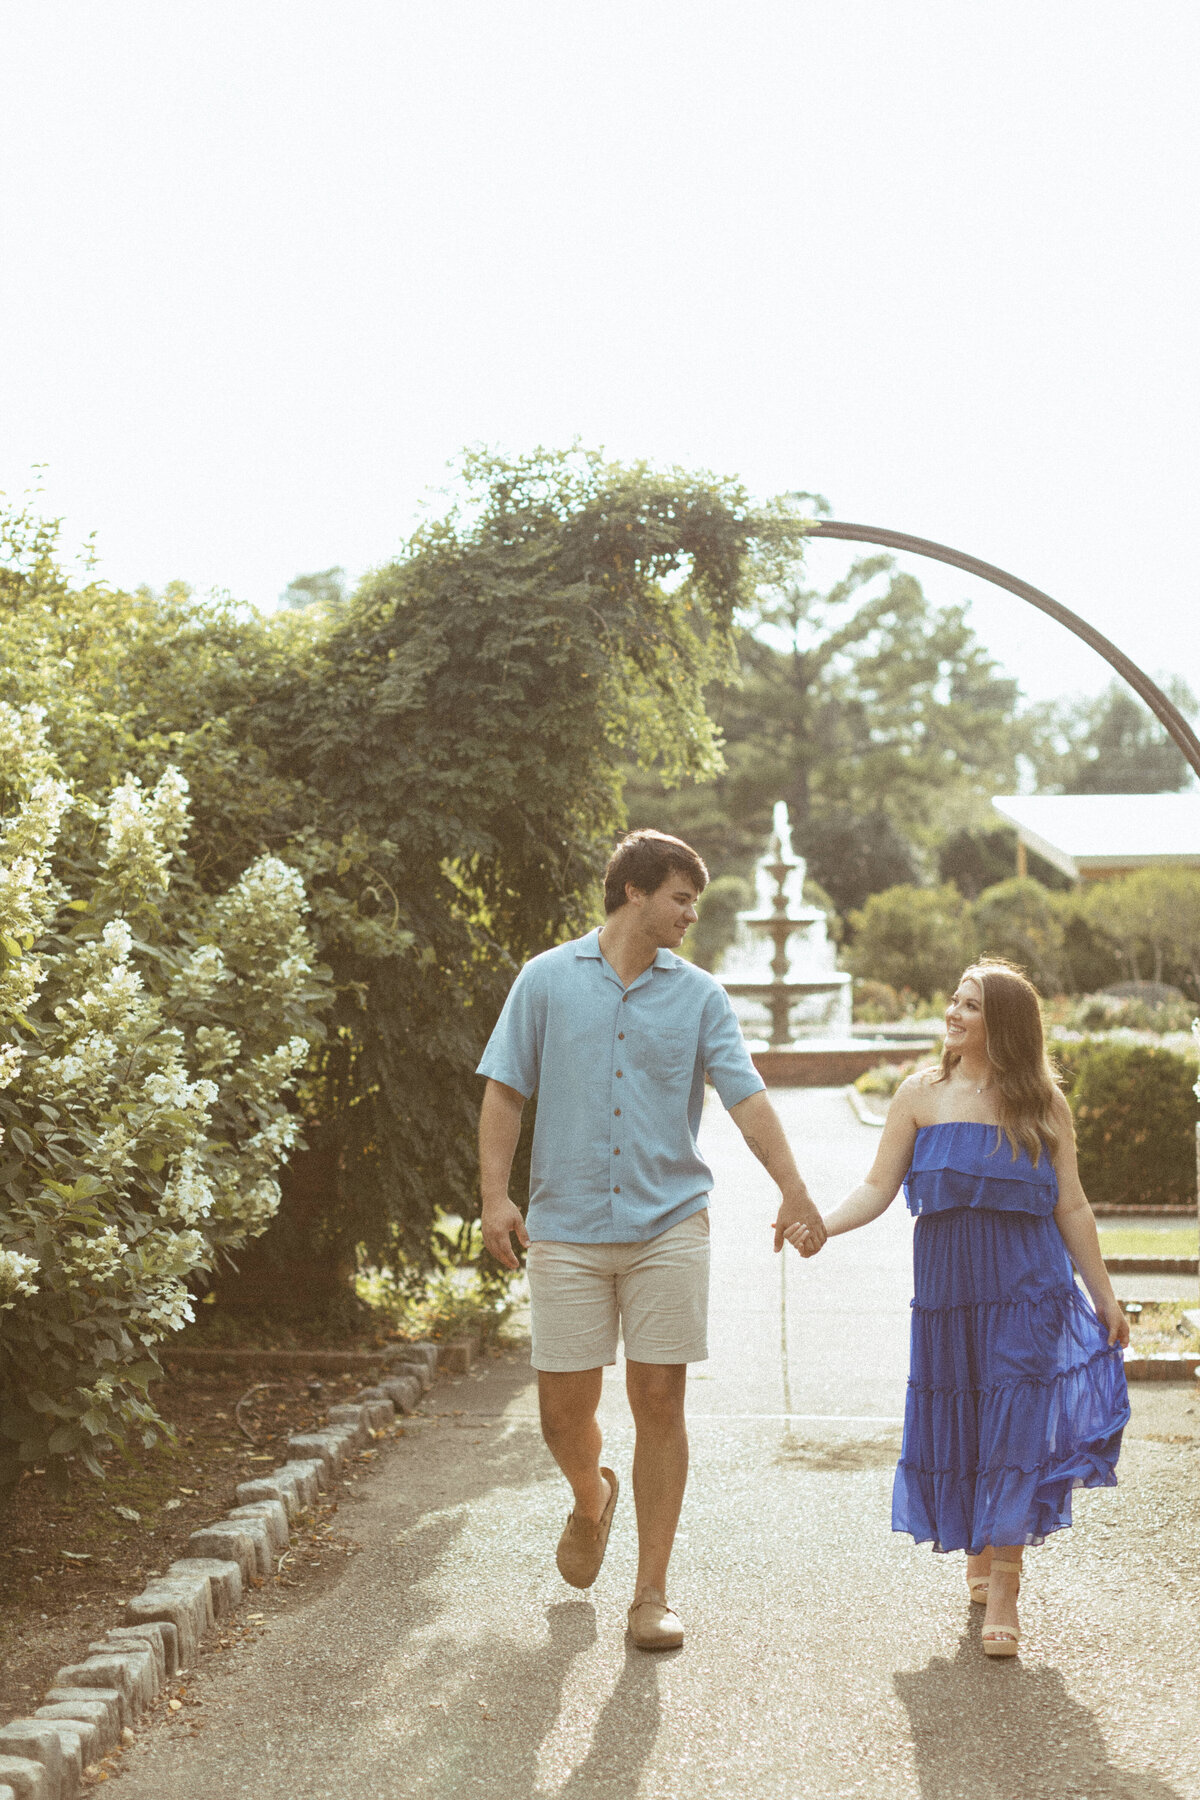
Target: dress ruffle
{"type": "Point", "coordinates": [964, 1164]}
{"type": "Point", "coordinates": [1015, 1397]}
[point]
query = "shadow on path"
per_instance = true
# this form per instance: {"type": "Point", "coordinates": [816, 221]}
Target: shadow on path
{"type": "Point", "coordinates": [485, 1738]}
{"type": "Point", "coordinates": [1000, 1731]}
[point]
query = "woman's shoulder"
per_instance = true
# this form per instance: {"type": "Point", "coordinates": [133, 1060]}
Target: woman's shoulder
{"type": "Point", "coordinates": [919, 1094]}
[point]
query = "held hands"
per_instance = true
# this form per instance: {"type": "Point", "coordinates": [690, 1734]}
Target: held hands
{"type": "Point", "coordinates": [801, 1239]}
{"type": "Point", "coordinates": [801, 1224]}
{"type": "Point", "coordinates": [500, 1219]}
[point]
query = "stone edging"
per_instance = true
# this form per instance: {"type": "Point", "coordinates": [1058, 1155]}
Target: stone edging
{"type": "Point", "coordinates": [860, 1109]}
{"type": "Point", "coordinates": [91, 1704]}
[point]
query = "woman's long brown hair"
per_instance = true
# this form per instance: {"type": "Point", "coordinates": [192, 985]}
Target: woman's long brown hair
{"type": "Point", "coordinates": [1016, 1046]}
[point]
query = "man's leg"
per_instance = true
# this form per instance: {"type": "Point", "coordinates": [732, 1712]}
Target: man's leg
{"type": "Point", "coordinates": [568, 1405]}
{"type": "Point", "coordinates": [660, 1464]}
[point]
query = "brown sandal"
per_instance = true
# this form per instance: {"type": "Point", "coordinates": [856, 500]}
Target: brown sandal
{"type": "Point", "coordinates": [583, 1543]}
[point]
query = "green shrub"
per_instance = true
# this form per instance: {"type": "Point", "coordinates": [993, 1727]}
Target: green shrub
{"type": "Point", "coordinates": [1134, 1011]}
{"type": "Point", "coordinates": [716, 923]}
{"type": "Point", "coordinates": [920, 938]}
{"type": "Point", "coordinates": [1135, 1120]}
{"type": "Point", "coordinates": [1070, 1054]}
{"type": "Point", "coordinates": [885, 1078]}
{"type": "Point", "coordinates": [878, 1003]}
{"type": "Point", "coordinates": [1017, 919]}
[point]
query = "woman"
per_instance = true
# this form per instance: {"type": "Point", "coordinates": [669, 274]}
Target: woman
{"type": "Point", "coordinates": [1016, 1391]}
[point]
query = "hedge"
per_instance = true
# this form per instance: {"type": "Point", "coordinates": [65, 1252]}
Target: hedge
{"type": "Point", "coordinates": [1135, 1121]}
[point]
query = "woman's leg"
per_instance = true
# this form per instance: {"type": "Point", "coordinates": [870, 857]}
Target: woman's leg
{"type": "Point", "coordinates": [979, 1567]}
{"type": "Point", "coordinates": [1001, 1612]}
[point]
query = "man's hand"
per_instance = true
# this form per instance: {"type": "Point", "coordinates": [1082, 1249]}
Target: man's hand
{"type": "Point", "coordinates": [801, 1240]}
{"type": "Point", "coordinates": [500, 1219]}
{"type": "Point", "coordinates": [798, 1214]}
{"type": "Point", "coordinates": [499, 1129]}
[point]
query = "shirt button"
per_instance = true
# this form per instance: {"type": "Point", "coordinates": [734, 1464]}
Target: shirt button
{"type": "Point", "coordinates": [624, 998]}
{"type": "Point", "coordinates": [616, 1112]}
{"type": "Point", "coordinates": [617, 1151]}
{"type": "Point", "coordinates": [618, 1074]}
{"type": "Point", "coordinates": [620, 1034]}
{"type": "Point", "coordinates": [616, 1190]}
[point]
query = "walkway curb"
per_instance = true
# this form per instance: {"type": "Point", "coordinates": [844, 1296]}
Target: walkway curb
{"type": "Point", "coordinates": [860, 1109]}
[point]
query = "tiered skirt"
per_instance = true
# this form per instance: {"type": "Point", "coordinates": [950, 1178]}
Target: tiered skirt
{"type": "Point", "coordinates": [1015, 1398]}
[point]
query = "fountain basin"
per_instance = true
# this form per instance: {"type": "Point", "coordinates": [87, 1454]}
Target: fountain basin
{"type": "Point", "coordinates": [835, 1062]}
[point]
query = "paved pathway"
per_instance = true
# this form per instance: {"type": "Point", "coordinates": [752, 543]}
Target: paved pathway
{"type": "Point", "coordinates": [824, 1656]}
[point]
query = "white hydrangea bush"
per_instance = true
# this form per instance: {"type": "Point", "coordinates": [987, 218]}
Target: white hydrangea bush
{"type": "Point", "coordinates": [150, 1038]}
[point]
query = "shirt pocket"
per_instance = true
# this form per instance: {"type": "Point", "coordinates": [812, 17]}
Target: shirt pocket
{"type": "Point", "coordinates": [664, 1054]}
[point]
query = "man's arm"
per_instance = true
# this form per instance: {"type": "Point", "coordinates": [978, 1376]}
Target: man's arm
{"type": "Point", "coordinates": [758, 1123]}
{"type": "Point", "coordinates": [499, 1129]}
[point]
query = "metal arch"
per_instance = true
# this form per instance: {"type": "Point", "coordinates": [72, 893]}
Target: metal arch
{"type": "Point", "coordinates": [1163, 709]}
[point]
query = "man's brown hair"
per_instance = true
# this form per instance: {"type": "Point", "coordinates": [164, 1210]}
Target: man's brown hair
{"type": "Point", "coordinates": [646, 858]}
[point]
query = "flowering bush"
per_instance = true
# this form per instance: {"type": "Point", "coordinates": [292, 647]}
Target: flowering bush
{"type": "Point", "coordinates": [148, 1036]}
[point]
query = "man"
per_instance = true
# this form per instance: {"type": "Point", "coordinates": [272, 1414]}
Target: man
{"type": "Point", "coordinates": [617, 1033]}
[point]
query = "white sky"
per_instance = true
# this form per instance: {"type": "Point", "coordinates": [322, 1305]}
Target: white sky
{"type": "Point", "coordinates": [267, 267]}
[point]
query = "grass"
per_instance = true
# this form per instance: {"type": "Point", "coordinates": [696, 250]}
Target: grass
{"type": "Point", "coordinates": [1159, 1329]}
{"type": "Point", "coordinates": [1136, 1240]}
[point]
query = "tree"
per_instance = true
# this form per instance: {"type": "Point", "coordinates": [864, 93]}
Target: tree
{"type": "Point", "coordinates": [716, 922]}
{"type": "Point", "coordinates": [872, 713]}
{"type": "Point", "coordinates": [1152, 920]}
{"type": "Point", "coordinates": [1017, 920]}
{"type": "Point", "coordinates": [974, 859]}
{"type": "Point", "coordinates": [326, 589]}
{"type": "Point", "coordinates": [1109, 743]}
{"type": "Point", "coordinates": [916, 938]}
{"type": "Point", "coordinates": [855, 857]}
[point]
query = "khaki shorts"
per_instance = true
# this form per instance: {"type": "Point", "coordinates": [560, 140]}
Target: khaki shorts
{"type": "Point", "coordinates": [655, 1293]}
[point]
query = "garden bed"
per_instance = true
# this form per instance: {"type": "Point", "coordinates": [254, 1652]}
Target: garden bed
{"type": "Point", "coordinates": [68, 1563]}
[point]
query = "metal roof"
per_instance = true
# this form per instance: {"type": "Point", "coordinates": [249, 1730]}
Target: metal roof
{"type": "Point", "coordinates": [1087, 834]}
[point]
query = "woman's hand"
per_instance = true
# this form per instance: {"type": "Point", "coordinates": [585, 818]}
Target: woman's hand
{"type": "Point", "coordinates": [1108, 1311]}
{"type": "Point", "coordinates": [802, 1239]}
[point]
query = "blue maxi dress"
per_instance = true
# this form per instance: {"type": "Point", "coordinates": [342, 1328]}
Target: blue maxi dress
{"type": "Point", "coordinates": [1014, 1396]}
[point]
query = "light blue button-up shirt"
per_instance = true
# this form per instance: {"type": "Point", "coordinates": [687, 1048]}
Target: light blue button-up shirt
{"type": "Point", "coordinates": [619, 1074]}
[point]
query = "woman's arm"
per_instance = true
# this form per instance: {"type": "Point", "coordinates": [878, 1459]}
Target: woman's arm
{"type": "Point", "coordinates": [1077, 1225]}
{"type": "Point", "coordinates": [874, 1195]}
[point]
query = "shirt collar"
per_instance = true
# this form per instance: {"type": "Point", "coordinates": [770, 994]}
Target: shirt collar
{"type": "Point", "coordinates": [589, 947]}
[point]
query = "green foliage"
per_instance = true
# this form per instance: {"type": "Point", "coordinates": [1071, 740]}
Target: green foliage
{"type": "Point", "coordinates": [974, 859]}
{"type": "Point", "coordinates": [878, 1003]}
{"type": "Point", "coordinates": [874, 714]}
{"type": "Point", "coordinates": [716, 924]}
{"type": "Point", "coordinates": [911, 937]}
{"type": "Point", "coordinates": [1017, 920]}
{"type": "Point", "coordinates": [325, 588]}
{"type": "Point", "coordinates": [1068, 1056]}
{"type": "Point", "coordinates": [1135, 1119]}
{"type": "Point", "coordinates": [854, 857]}
{"type": "Point", "coordinates": [1108, 743]}
{"type": "Point", "coordinates": [1151, 919]}
{"type": "Point", "coordinates": [440, 759]}
{"type": "Point", "coordinates": [885, 1078]}
{"type": "Point", "coordinates": [1146, 1008]}
{"type": "Point", "coordinates": [468, 719]}
{"type": "Point", "coordinates": [149, 1035]}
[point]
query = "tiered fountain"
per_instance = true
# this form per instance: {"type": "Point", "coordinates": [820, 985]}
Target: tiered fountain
{"type": "Point", "coordinates": [792, 1001]}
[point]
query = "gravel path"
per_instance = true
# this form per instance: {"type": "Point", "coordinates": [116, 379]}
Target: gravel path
{"type": "Point", "coordinates": [824, 1656]}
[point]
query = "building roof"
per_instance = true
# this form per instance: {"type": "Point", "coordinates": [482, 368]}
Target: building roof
{"type": "Point", "coordinates": [1098, 834]}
